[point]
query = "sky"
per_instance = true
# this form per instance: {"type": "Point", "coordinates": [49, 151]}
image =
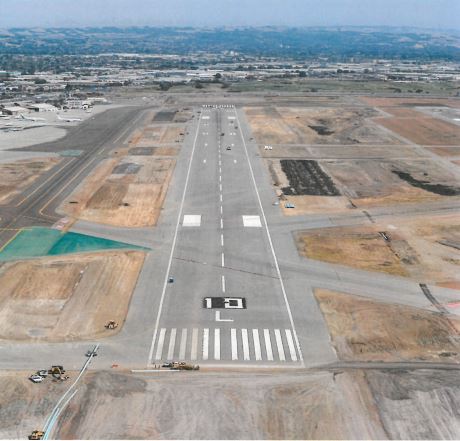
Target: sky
{"type": "Point", "coordinates": [437, 14]}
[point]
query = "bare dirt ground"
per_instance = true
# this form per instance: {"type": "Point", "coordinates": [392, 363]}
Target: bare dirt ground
{"type": "Point", "coordinates": [355, 404]}
{"type": "Point", "coordinates": [172, 134]}
{"type": "Point", "coordinates": [362, 184]}
{"type": "Point", "coordinates": [446, 151]}
{"type": "Point", "coordinates": [67, 297]}
{"type": "Point", "coordinates": [228, 406]}
{"type": "Point", "coordinates": [423, 130]}
{"type": "Point", "coordinates": [316, 126]}
{"type": "Point", "coordinates": [127, 192]}
{"type": "Point", "coordinates": [367, 330]}
{"type": "Point", "coordinates": [425, 249]}
{"type": "Point", "coordinates": [16, 176]}
{"type": "Point", "coordinates": [410, 102]}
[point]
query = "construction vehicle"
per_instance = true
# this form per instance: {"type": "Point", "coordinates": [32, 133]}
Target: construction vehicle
{"type": "Point", "coordinates": [181, 366]}
{"type": "Point", "coordinates": [111, 324]}
{"type": "Point", "coordinates": [57, 372]}
{"type": "Point", "coordinates": [36, 434]}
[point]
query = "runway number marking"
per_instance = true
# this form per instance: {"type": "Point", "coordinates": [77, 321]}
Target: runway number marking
{"type": "Point", "coordinates": [224, 303]}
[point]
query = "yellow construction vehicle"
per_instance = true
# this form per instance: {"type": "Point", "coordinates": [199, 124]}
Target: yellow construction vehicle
{"type": "Point", "coordinates": [36, 434]}
{"type": "Point", "coordinates": [181, 366]}
{"type": "Point", "coordinates": [112, 324]}
{"type": "Point", "coordinates": [57, 372]}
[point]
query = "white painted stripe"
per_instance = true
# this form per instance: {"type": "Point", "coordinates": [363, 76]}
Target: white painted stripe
{"type": "Point", "coordinates": [160, 343]}
{"type": "Point", "coordinates": [244, 337]}
{"type": "Point", "coordinates": [191, 220]}
{"type": "Point", "coordinates": [290, 343]}
{"type": "Point", "coordinates": [252, 221]}
{"type": "Point", "coordinates": [222, 240]}
{"type": "Point", "coordinates": [217, 344]}
{"type": "Point", "coordinates": [275, 259]}
{"type": "Point", "coordinates": [220, 187]}
{"type": "Point", "coordinates": [204, 161]}
{"type": "Point", "coordinates": [279, 345]}
{"type": "Point", "coordinates": [183, 344]}
{"type": "Point", "coordinates": [234, 161]}
{"type": "Point", "coordinates": [173, 246]}
{"type": "Point", "coordinates": [221, 210]}
{"type": "Point", "coordinates": [234, 344]}
{"type": "Point", "coordinates": [268, 345]}
{"type": "Point", "coordinates": [205, 343]}
{"type": "Point", "coordinates": [194, 351]}
{"type": "Point", "coordinates": [223, 260]}
{"type": "Point", "coordinates": [172, 343]}
{"type": "Point", "coordinates": [221, 224]}
{"type": "Point", "coordinates": [255, 337]}
{"type": "Point", "coordinates": [220, 198]}
{"type": "Point", "coordinates": [220, 169]}
{"type": "Point", "coordinates": [220, 178]}
{"type": "Point", "coordinates": [220, 162]}
{"type": "Point", "coordinates": [223, 283]}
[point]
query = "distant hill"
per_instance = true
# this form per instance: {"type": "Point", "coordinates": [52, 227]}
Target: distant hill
{"type": "Point", "coordinates": [336, 44]}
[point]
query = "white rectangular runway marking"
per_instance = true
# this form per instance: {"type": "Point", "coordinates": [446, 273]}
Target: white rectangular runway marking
{"type": "Point", "coordinates": [279, 345]}
{"type": "Point", "coordinates": [291, 346]}
{"type": "Point", "coordinates": [268, 345]}
{"type": "Point", "coordinates": [194, 351]}
{"type": "Point", "coordinates": [172, 343]}
{"type": "Point", "coordinates": [234, 161]}
{"type": "Point", "coordinates": [191, 220]}
{"type": "Point", "coordinates": [205, 343]}
{"type": "Point", "coordinates": [222, 240]}
{"type": "Point", "coordinates": [217, 344]}
{"type": "Point", "coordinates": [255, 337]}
{"type": "Point", "coordinates": [252, 221]}
{"type": "Point", "coordinates": [223, 260]}
{"type": "Point", "coordinates": [220, 187]}
{"type": "Point", "coordinates": [220, 178]}
{"type": "Point", "coordinates": [205, 117]}
{"type": "Point", "coordinates": [221, 223]}
{"type": "Point", "coordinates": [220, 198]}
{"type": "Point", "coordinates": [160, 343]}
{"type": "Point", "coordinates": [183, 344]}
{"type": "Point", "coordinates": [244, 337]}
{"type": "Point", "coordinates": [220, 162]}
{"type": "Point", "coordinates": [220, 170]}
{"type": "Point", "coordinates": [221, 210]}
{"type": "Point", "coordinates": [204, 161]}
{"type": "Point", "coordinates": [223, 283]}
{"type": "Point", "coordinates": [234, 344]}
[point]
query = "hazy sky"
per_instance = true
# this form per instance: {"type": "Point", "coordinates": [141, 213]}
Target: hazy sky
{"type": "Point", "coordinates": [417, 13]}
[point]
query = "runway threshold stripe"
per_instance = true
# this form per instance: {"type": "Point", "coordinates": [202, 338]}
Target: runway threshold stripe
{"type": "Point", "coordinates": [290, 342]}
{"type": "Point", "coordinates": [244, 337]}
{"type": "Point", "coordinates": [183, 344]}
{"type": "Point", "coordinates": [268, 345]}
{"type": "Point", "coordinates": [217, 344]}
{"type": "Point", "coordinates": [172, 344]}
{"type": "Point", "coordinates": [161, 340]}
{"type": "Point", "coordinates": [255, 337]}
{"type": "Point", "coordinates": [194, 351]}
{"type": "Point", "coordinates": [234, 342]}
{"type": "Point", "coordinates": [205, 343]}
{"type": "Point", "coordinates": [279, 345]}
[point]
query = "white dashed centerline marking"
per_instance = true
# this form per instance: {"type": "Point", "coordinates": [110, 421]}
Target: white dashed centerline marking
{"type": "Point", "coordinates": [221, 210]}
{"type": "Point", "coordinates": [222, 240]}
{"type": "Point", "coordinates": [223, 260]}
{"type": "Point", "coordinates": [223, 283]}
{"type": "Point", "coordinates": [221, 224]}
{"type": "Point", "coordinates": [220, 198]}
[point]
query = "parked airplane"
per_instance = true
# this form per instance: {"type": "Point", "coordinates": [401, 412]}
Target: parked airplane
{"type": "Point", "coordinates": [30, 118]}
{"type": "Point", "coordinates": [68, 119]}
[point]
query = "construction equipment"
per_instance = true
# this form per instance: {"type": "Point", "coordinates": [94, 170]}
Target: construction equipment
{"type": "Point", "coordinates": [181, 366]}
{"type": "Point", "coordinates": [112, 324]}
{"type": "Point", "coordinates": [36, 434]}
{"type": "Point", "coordinates": [57, 372]}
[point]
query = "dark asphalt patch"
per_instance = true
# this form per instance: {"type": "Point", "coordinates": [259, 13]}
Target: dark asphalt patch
{"type": "Point", "coordinates": [165, 116]}
{"type": "Point", "coordinates": [128, 168]}
{"type": "Point", "coordinates": [141, 151]}
{"type": "Point", "coordinates": [441, 189]}
{"type": "Point", "coordinates": [307, 178]}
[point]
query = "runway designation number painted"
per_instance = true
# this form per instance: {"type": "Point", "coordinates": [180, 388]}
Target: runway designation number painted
{"type": "Point", "coordinates": [224, 303]}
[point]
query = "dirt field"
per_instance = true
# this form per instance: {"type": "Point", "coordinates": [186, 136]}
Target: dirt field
{"type": "Point", "coordinates": [244, 406]}
{"type": "Point", "coordinates": [17, 175]}
{"type": "Point", "coordinates": [68, 297]}
{"type": "Point", "coordinates": [361, 183]}
{"type": "Point", "coordinates": [367, 330]}
{"type": "Point", "coordinates": [446, 151]}
{"type": "Point", "coordinates": [424, 249]}
{"type": "Point", "coordinates": [316, 126]}
{"type": "Point", "coordinates": [172, 134]}
{"type": "Point", "coordinates": [423, 130]}
{"type": "Point", "coordinates": [411, 102]}
{"type": "Point", "coordinates": [126, 192]}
